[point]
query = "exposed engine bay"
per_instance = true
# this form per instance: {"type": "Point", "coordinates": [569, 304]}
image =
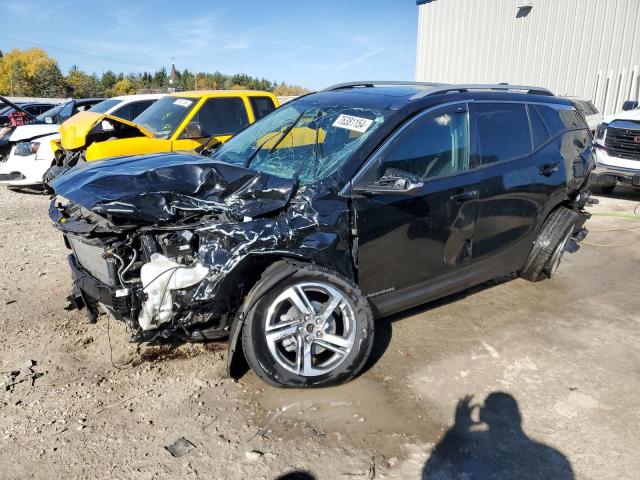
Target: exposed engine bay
{"type": "Point", "coordinates": [174, 254]}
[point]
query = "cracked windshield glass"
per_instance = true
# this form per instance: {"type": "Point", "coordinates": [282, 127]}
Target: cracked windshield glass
{"type": "Point", "coordinates": [302, 140]}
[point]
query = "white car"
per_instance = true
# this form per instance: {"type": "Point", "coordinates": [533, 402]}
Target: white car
{"type": "Point", "coordinates": [617, 147]}
{"type": "Point", "coordinates": [29, 153]}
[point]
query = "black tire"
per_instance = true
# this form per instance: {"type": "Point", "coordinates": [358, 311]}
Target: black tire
{"type": "Point", "coordinates": [604, 190]}
{"type": "Point", "coordinates": [550, 245]}
{"type": "Point", "coordinates": [261, 359]}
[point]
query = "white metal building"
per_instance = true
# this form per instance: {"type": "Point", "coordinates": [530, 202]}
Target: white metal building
{"type": "Point", "coordinates": [584, 48]}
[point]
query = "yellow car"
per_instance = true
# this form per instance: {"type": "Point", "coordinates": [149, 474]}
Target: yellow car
{"type": "Point", "coordinates": [179, 121]}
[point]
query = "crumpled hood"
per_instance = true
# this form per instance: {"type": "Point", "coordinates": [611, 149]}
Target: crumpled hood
{"type": "Point", "coordinates": [164, 187]}
{"type": "Point", "coordinates": [74, 131]}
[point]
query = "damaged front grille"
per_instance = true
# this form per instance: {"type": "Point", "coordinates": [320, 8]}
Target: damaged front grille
{"type": "Point", "coordinates": [91, 258]}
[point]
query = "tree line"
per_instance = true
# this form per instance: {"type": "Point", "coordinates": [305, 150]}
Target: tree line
{"type": "Point", "coordinates": [32, 73]}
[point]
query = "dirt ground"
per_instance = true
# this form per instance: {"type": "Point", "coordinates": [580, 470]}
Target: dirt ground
{"type": "Point", "coordinates": [555, 363]}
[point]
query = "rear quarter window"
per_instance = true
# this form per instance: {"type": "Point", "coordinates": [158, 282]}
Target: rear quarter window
{"type": "Point", "coordinates": [559, 118]}
{"type": "Point", "coordinates": [503, 131]}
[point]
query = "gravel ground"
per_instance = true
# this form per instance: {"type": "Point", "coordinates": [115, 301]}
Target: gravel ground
{"type": "Point", "coordinates": [79, 401]}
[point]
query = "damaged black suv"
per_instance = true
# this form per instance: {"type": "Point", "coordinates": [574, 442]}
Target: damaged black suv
{"type": "Point", "coordinates": [342, 206]}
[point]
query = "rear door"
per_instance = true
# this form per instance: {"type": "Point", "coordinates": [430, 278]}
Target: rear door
{"type": "Point", "coordinates": [418, 242]}
{"type": "Point", "coordinates": [522, 173]}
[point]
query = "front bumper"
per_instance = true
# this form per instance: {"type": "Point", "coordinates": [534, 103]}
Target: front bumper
{"type": "Point", "coordinates": [17, 171]}
{"type": "Point", "coordinates": [611, 171]}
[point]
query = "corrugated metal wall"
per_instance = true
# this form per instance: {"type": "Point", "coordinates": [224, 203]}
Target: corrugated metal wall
{"type": "Point", "coordinates": [584, 48]}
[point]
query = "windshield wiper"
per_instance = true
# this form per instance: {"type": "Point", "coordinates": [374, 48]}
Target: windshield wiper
{"type": "Point", "coordinates": [283, 135]}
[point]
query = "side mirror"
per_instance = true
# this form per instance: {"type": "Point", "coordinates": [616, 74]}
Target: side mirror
{"type": "Point", "coordinates": [630, 105]}
{"type": "Point", "coordinates": [48, 119]}
{"type": "Point", "coordinates": [192, 130]}
{"type": "Point", "coordinates": [391, 186]}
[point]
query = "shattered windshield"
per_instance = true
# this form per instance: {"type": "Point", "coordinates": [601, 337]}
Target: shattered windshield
{"type": "Point", "coordinates": [163, 117]}
{"type": "Point", "coordinates": [302, 140]}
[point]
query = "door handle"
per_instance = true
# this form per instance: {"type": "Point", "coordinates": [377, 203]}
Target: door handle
{"type": "Point", "coordinates": [464, 196]}
{"type": "Point", "coordinates": [548, 170]}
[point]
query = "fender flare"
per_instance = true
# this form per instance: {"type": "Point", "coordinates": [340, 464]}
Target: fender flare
{"type": "Point", "coordinates": [273, 275]}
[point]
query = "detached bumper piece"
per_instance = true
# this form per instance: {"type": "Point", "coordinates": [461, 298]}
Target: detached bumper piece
{"type": "Point", "coordinates": [89, 291]}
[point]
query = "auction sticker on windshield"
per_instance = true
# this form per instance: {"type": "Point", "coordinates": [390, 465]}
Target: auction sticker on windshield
{"type": "Point", "coordinates": [182, 102]}
{"type": "Point", "coordinates": [356, 124]}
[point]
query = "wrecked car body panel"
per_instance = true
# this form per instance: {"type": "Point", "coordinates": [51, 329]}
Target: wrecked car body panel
{"type": "Point", "coordinates": [87, 127]}
{"type": "Point", "coordinates": [247, 215]}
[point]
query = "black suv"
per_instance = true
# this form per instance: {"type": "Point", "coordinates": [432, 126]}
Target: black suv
{"type": "Point", "coordinates": [341, 206]}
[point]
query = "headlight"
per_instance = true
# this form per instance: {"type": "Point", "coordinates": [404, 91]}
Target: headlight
{"type": "Point", "coordinates": [24, 149]}
{"type": "Point", "coordinates": [601, 130]}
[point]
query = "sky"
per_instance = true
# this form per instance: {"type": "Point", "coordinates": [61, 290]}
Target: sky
{"type": "Point", "coordinates": [313, 44]}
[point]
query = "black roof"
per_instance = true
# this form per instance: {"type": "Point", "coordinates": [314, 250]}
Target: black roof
{"type": "Point", "coordinates": [397, 95]}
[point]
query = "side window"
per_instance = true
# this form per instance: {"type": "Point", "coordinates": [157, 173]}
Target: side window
{"type": "Point", "coordinates": [222, 116]}
{"type": "Point", "coordinates": [558, 118]}
{"type": "Point", "coordinates": [123, 112]}
{"type": "Point", "coordinates": [138, 107]}
{"type": "Point", "coordinates": [262, 106]}
{"type": "Point", "coordinates": [503, 131]}
{"type": "Point", "coordinates": [434, 145]}
{"type": "Point", "coordinates": [132, 110]}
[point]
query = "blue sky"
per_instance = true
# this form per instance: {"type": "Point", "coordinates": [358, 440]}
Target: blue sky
{"type": "Point", "coordinates": [312, 44]}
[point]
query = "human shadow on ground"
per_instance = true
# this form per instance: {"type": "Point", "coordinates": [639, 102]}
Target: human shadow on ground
{"type": "Point", "coordinates": [296, 475]}
{"type": "Point", "coordinates": [493, 446]}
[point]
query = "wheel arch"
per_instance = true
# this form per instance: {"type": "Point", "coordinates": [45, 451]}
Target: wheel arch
{"type": "Point", "coordinates": [274, 267]}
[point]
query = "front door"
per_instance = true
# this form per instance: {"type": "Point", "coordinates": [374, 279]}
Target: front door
{"type": "Point", "coordinates": [420, 238]}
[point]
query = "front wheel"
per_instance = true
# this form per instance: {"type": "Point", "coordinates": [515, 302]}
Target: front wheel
{"type": "Point", "coordinates": [313, 329]}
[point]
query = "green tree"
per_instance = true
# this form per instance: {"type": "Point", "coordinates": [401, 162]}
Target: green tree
{"type": "Point", "coordinates": [123, 87]}
{"type": "Point", "coordinates": [81, 85]}
{"type": "Point", "coordinates": [108, 80]}
{"type": "Point", "coordinates": [48, 82]}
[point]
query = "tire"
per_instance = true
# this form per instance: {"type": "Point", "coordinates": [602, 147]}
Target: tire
{"type": "Point", "coordinates": [604, 190]}
{"type": "Point", "coordinates": [308, 351]}
{"type": "Point", "coordinates": [547, 251]}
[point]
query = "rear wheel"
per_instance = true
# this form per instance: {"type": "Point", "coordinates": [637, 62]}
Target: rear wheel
{"type": "Point", "coordinates": [547, 251]}
{"type": "Point", "coordinates": [313, 329]}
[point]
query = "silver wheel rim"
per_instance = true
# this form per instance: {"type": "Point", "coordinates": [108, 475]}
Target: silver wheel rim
{"type": "Point", "coordinates": [557, 255]}
{"type": "Point", "coordinates": [310, 328]}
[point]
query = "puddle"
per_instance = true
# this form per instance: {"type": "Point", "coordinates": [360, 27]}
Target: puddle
{"type": "Point", "coordinates": [363, 412]}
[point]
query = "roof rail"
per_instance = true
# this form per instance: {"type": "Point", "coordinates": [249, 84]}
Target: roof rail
{"type": "Point", "coordinates": [500, 86]}
{"type": "Point", "coordinates": [381, 83]}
